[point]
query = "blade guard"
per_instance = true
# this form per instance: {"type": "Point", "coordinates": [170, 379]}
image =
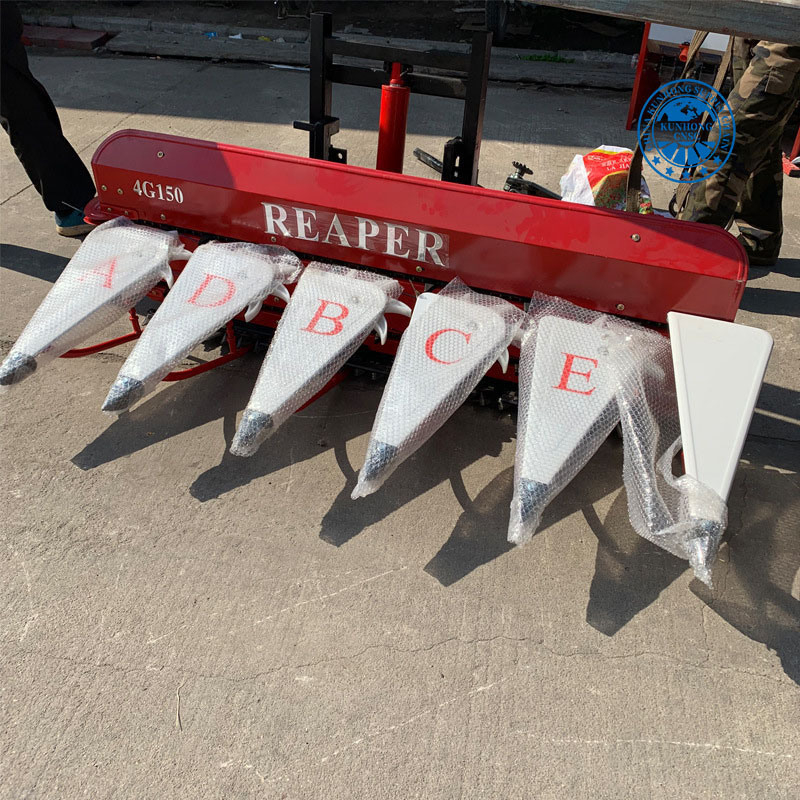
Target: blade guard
{"type": "Point", "coordinates": [218, 282]}
{"type": "Point", "coordinates": [331, 313]}
{"type": "Point", "coordinates": [452, 340]}
{"type": "Point", "coordinates": [114, 268]}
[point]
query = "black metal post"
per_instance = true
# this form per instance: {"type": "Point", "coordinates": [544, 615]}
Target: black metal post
{"type": "Point", "coordinates": [474, 106]}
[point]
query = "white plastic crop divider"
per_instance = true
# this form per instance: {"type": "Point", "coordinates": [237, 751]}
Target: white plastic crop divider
{"type": "Point", "coordinates": [719, 368]}
{"type": "Point", "coordinates": [569, 411]}
{"type": "Point", "coordinates": [113, 269]}
{"type": "Point", "coordinates": [331, 313]}
{"type": "Point", "coordinates": [219, 281]}
{"type": "Point", "coordinates": [452, 340]}
{"type": "Point", "coordinates": [503, 358]}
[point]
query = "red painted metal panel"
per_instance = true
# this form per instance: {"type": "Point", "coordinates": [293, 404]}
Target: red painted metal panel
{"type": "Point", "coordinates": [642, 266]}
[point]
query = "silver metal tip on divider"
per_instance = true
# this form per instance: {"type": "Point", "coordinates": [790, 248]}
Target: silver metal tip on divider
{"type": "Point", "coordinates": [123, 394]}
{"type": "Point", "coordinates": [16, 368]}
{"type": "Point", "coordinates": [377, 466]}
{"type": "Point", "coordinates": [255, 427]}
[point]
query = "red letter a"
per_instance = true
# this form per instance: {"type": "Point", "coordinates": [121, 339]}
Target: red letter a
{"type": "Point", "coordinates": [106, 271]}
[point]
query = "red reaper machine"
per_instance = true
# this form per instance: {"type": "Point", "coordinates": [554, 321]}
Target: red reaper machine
{"type": "Point", "coordinates": [589, 318]}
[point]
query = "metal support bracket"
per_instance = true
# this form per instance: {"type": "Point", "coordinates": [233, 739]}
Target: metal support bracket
{"type": "Point", "coordinates": [466, 79]}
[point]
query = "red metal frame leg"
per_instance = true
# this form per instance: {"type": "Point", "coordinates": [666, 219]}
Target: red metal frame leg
{"type": "Point", "coordinates": [230, 334]}
{"type": "Point", "coordinates": [177, 375]}
{"type": "Point", "coordinates": [80, 352]}
{"type": "Point", "coordinates": [796, 146]}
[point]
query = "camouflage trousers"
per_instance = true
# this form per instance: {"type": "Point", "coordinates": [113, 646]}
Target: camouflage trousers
{"type": "Point", "coordinates": [749, 187]}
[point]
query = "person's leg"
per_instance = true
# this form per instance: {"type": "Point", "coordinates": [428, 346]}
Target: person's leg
{"type": "Point", "coordinates": [29, 117]}
{"type": "Point", "coordinates": [759, 218]}
{"type": "Point", "coordinates": [705, 202]}
{"type": "Point", "coordinates": [762, 101]}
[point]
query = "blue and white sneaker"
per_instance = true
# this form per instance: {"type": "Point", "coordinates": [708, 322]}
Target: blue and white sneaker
{"type": "Point", "coordinates": [72, 224]}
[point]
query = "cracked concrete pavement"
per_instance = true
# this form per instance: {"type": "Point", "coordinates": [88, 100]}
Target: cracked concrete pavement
{"type": "Point", "coordinates": [180, 623]}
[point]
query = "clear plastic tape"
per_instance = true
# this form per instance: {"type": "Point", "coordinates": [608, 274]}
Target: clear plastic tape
{"type": "Point", "coordinates": [219, 281]}
{"type": "Point", "coordinates": [452, 340]}
{"type": "Point", "coordinates": [567, 404]}
{"type": "Point", "coordinates": [331, 313]}
{"type": "Point", "coordinates": [117, 264]}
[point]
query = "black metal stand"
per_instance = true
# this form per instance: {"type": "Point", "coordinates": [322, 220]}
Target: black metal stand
{"type": "Point", "coordinates": [461, 154]}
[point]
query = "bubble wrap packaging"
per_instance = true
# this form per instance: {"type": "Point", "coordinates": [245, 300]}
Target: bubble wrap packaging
{"type": "Point", "coordinates": [452, 340]}
{"type": "Point", "coordinates": [567, 404]}
{"type": "Point", "coordinates": [117, 264]}
{"type": "Point", "coordinates": [332, 311]}
{"type": "Point", "coordinates": [580, 373]}
{"type": "Point", "coordinates": [218, 282]}
{"type": "Point", "coordinates": [680, 514]}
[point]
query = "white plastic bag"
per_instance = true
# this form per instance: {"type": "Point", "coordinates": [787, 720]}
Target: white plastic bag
{"type": "Point", "coordinates": [680, 514]}
{"type": "Point", "coordinates": [600, 178]}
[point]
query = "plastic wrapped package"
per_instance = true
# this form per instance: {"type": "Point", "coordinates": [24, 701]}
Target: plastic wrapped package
{"type": "Point", "coordinates": [331, 313]}
{"type": "Point", "coordinates": [218, 282]}
{"type": "Point", "coordinates": [581, 371]}
{"type": "Point", "coordinates": [452, 340]}
{"type": "Point", "coordinates": [680, 514]}
{"type": "Point", "coordinates": [567, 403]}
{"type": "Point", "coordinates": [117, 264]}
{"type": "Point", "coordinates": [600, 179]}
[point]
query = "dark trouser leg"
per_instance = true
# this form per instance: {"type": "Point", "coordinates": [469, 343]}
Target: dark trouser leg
{"type": "Point", "coordinates": [29, 117]}
{"type": "Point", "coordinates": [759, 216]}
{"type": "Point", "coordinates": [762, 101]}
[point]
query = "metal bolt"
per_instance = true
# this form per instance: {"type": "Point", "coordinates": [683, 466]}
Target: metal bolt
{"type": "Point", "coordinates": [119, 191]}
{"type": "Point", "coordinates": [635, 237]}
{"type": "Point", "coordinates": [108, 208]}
{"type": "Point", "coordinates": [620, 306]}
{"type": "Point", "coordinates": [160, 154]}
{"type": "Point", "coordinates": [104, 188]}
{"type": "Point", "coordinates": [163, 216]}
{"type": "Point", "coordinates": [419, 269]}
{"type": "Point", "coordinates": [273, 238]}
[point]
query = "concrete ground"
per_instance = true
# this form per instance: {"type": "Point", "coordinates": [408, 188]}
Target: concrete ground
{"type": "Point", "coordinates": [178, 623]}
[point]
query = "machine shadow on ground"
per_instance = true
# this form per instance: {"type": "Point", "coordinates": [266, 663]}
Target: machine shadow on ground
{"type": "Point", "coordinates": [469, 435]}
{"type": "Point", "coordinates": [481, 533]}
{"type": "Point", "coordinates": [346, 413]}
{"type": "Point", "coordinates": [171, 411]}
{"type": "Point", "coordinates": [753, 577]}
{"type": "Point", "coordinates": [777, 416]}
{"type": "Point", "coordinates": [755, 587]}
{"type": "Point", "coordinates": [778, 302]}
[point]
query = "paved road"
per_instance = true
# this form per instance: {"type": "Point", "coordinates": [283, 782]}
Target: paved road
{"type": "Point", "coordinates": [390, 648]}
